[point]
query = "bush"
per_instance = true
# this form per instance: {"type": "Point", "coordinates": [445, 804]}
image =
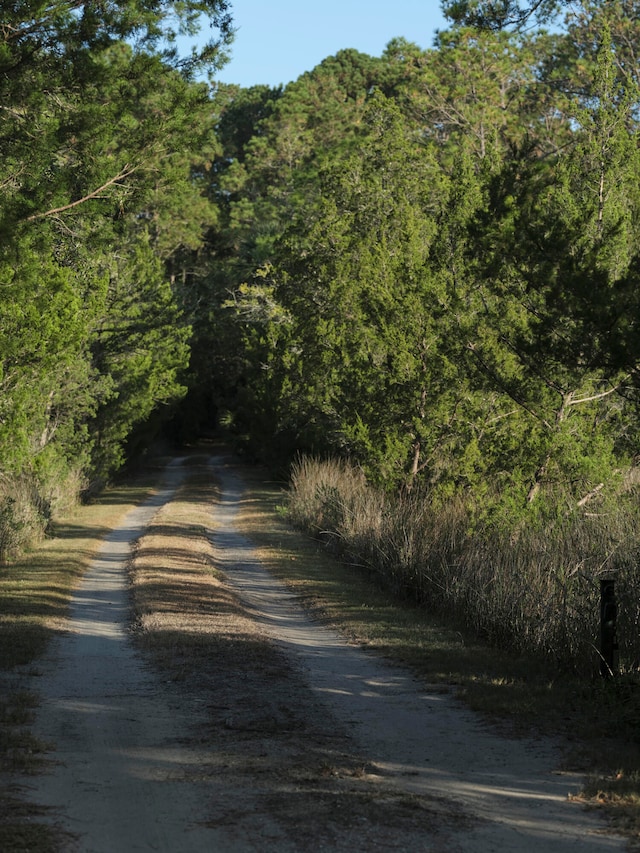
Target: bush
{"type": "Point", "coordinates": [22, 519]}
{"type": "Point", "coordinates": [27, 506]}
{"type": "Point", "coordinates": [534, 587]}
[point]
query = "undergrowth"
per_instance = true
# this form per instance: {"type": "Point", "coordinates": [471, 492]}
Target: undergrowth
{"type": "Point", "coordinates": [531, 588]}
{"type": "Point", "coordinates": [28, 505]}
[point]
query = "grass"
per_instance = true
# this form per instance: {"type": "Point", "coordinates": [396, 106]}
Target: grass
{"type": "Point", "coordinates": [18, 832]}
{"type": "Point", "coordinates": [35, 589]}
{"type": "Point", "coordinates": [184, 612]}
{"type": "Point", "coordinates": [522, 583]}
{"type": "Point", "coordinates": [351, 598]}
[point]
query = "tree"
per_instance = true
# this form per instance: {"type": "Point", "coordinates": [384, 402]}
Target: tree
{"type": "Point", "coordinates": [542, 330]}
{"type": "Point", "coordinates": [140, 348]}
{"type": "Point", "coordinates": [359, 364]}
{"type": "Point", "coordinates": [500, 14]}
{"type": "Point", "coordinates": [429, 264]}
{"type": "Point", "coordinates": [487, 90]}
{"type": "Point", "coordinates": [585, 24]}
{"type": "Point", "coordinates": [275, 146]}
{"type": "Point", "coordinates": [100, 142]}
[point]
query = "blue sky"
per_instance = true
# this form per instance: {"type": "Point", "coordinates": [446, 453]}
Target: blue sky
{"type": "Point", "coordinates": [278, 40]}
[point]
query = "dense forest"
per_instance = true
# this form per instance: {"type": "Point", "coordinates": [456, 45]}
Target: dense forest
{"type": "Point", "coordinates": [426, 262]}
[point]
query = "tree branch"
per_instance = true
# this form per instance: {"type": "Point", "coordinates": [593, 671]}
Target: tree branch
{"type": "Point", "coordinates": [590, 494]}
{"type": "Point", "coordinates": [123, 174]}
{"type": "Point", "coordinates": [599, 396]}
{"type": "Point", "coordinates": [504, 387]}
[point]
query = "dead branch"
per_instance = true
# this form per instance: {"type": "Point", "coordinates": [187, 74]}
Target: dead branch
{"type": "Point", "coordinates": [119, 177]}
{"type": "Point", "coordinates": [590, 494]}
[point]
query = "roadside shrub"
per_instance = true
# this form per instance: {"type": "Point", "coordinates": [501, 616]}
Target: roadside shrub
{"type": "Point", "coordinates": [27, 507]}
{"type": "Point", "coordinates": [23, 516]}
{"type": "Point", "coordinates": [533, 588]}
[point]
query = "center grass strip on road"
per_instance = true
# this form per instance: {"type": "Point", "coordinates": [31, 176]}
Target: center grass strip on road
{"type": "Point", "coordinates": [183, 610]}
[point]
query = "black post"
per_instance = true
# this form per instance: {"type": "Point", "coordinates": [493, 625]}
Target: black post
{"type": "Point", "coordinates": [608, 640]}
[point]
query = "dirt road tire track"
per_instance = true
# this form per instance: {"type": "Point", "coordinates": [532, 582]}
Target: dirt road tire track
{"type": "Point", "coordinates": [322, 746]}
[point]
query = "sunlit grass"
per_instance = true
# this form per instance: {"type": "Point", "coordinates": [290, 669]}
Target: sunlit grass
{"type": "Point", "coordinates": [186, 616]}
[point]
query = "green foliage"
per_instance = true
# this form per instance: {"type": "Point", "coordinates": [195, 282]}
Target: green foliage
{"type": "Point", "coordinates": [104, 144]}
{"type": "Point", "coordinates": [425, 261]}
{"type": "Point", "coordinates": [541, 333]}
{"type": "Point", "coordinates": [432, 264]}
{"type": "Point", "coordinates": [499, 14]}
{"type": "Point", "coordinates": [139, 349]}
{"type": "Point", "coordinates": [366, 356]}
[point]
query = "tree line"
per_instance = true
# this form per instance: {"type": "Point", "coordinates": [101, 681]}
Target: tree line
{"type": "Point", "coordinates": [426, 261]}
{"type": "Point", "coordinates": [105, 145]}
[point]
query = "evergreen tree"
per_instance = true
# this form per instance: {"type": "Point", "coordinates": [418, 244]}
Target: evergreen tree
{"type": "Point", "coordinates": [275, 146]}
{"type": "Point", "coordinates": [562, 238]}
{"type": "Point", "coordinates": [99, 137]}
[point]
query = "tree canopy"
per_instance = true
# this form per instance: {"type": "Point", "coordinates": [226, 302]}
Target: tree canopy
{"type": "Point", "coordinates": [432, 259]}
{"type": "Point", "coordinates": [103, 131]}
{"type": "Point", "coordinates": [426, 260]}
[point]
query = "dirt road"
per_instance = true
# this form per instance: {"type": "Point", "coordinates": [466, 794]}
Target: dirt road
{"type": "Point", "coordinates": [320, 746]}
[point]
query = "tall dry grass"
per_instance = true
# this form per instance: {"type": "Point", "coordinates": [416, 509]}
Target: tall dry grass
{"type": "Point", "coordinates": [534, 589]}
{"type": "Point", "coordinates": [27, 506]}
